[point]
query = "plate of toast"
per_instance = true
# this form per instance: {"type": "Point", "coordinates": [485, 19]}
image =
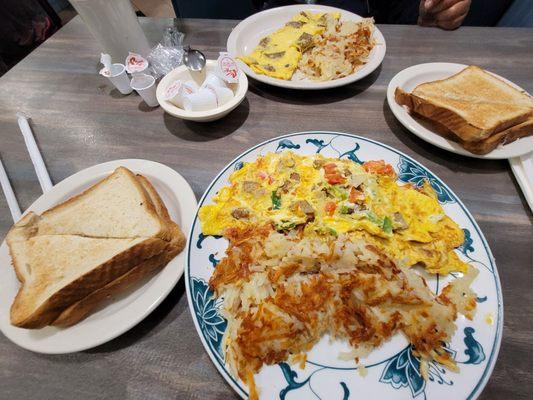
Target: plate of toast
{"type": "Point", "coordinates": [94, 256]}
{"type": "Point", "coordinates": [463, 109]}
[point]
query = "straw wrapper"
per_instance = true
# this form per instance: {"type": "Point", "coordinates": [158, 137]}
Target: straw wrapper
{"type": "Point", "coordinates": [10, 196]}
{"type": "Point", "coordinates": [35, 154]}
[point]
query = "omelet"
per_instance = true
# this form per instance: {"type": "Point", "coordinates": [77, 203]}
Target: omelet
{"type": "Point", "coordinates": [320, 196]}
{"type": "Point", "coordinates": [277, 55]}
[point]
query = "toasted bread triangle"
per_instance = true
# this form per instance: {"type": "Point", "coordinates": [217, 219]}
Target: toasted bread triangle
{"type": "Point", "coordinates": [57, 270]}
{"type": "Point", "coordinates": [82, 308]}
{"type": "Point", "coordinates": [61, 260]}
{"type": "Point", "coordinates": [473, 104]}
{"type": "Point", "coordinates": [116, 207]}
{"type": "Point", "coordinates": [487, 145]}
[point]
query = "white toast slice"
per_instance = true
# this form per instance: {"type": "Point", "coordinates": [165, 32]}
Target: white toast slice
{"type": "Point", "coordinates": [473, 104]}
{"type": "Point", "coordinates": [82, 251]}
{"type": "Point", "coordinates": [116, 207]}
{"type": "Point", "coordinates": [58, 270]}
{"type": "Point", "coordinates": [84, 307]}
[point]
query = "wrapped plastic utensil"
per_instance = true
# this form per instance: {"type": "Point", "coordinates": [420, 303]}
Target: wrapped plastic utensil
{"type": "Point", "coordinates": [168, 54]}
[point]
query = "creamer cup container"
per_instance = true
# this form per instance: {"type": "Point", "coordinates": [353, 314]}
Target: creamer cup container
{"type": "Point", "coordinates": [203, 100]}
{"type": "Point", "coordinates": [192, 85]}
{"type": "Point", "coordinates": [177, 90]}
{"type": "Point", "coordinates": [145, 86]}
{"type": "Point", "coordinates": [135, 63]}
{"type": "Point", "coordinates": [227, 68]}
{"type": "Point", "coordinates": [223, 94]}
{"type": "Point", "coordinates": [214, 80]}
{"type": "Point", "coordinates": [118, 77]}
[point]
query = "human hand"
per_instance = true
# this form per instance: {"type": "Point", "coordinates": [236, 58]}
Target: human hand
{"type": "Point", "coordinates": [446, 14]}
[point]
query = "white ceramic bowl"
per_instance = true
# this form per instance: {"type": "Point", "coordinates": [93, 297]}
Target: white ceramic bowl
{"type": "Point", "coordinates": [239, 89]}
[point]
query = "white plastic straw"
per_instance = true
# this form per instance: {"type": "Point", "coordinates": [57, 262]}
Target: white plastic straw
{"type": "Point", "coordinates": [35, 155]}
{"type": "Point", "coordinates": [10, 196]}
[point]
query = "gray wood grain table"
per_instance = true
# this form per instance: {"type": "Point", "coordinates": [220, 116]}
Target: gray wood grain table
{"type": "Point", "coordinates": [79, 121]}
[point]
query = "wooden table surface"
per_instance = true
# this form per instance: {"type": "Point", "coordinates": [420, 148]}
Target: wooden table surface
{"type": "Point", "coordinates": [79, 121]}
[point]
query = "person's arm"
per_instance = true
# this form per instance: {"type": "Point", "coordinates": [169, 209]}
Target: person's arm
{"type": "Point", "coordinates": [446, 14]}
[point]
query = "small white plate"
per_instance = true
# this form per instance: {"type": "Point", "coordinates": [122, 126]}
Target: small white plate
{"type": "Point", "coordinates": [129, 308]}
{"type": "Point", "coordinates": [413, 76]}
{"type": "Point", "coordinates": [250, 31]}
{"type": "Point", "coordinates": [184, 74]}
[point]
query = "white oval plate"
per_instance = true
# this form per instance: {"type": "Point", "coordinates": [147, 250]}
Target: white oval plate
{"type": "Point", "coordinates": [411, 77]}
{"type": "Point", "coordinates": [245, 36]}
{"type": "Point", "coordinates": [129, 308]}
{"type": "Point", "coordinates": [393, 371]}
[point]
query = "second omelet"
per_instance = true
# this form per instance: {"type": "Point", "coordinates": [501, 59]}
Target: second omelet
{"type": "Point", "coordinates": [278, 54]}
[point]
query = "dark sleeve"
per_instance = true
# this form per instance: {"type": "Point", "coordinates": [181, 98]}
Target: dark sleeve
{"type": "Point", "coordinates": [487, 13]}
{"type": "Point", "coordinates": [396, 11]}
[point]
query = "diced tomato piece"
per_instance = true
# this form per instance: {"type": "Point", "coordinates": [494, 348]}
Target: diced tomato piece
{"type": "Point", "coordinates": [332, 175]}
{"type": "Point", "coordinates": [330, 207]}
{"type": "Point", "coordinates": [378, 167]}
{"type": "Point", "coordinates": [335, 179]}
{"type": "Point", "coordinates": [263, 175]}
{"type": "Point", "coordinates": [356, 195]}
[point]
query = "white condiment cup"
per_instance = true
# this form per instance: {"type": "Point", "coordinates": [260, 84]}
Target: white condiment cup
{"type": "Point", "coordinates": [176, 92]}
{"type": "Point", "coordinates": [223, 94]}
{"type": "Point", "coordinates": [145, 86]}
{"type": "Point", "coordinates": [192, 85]}
{"type": "Point", "coordinates": [119, 78]}
{"type": "Point", "coordinates": [203, 100]}
{"type": "Point", "coordinates": [212, 79]}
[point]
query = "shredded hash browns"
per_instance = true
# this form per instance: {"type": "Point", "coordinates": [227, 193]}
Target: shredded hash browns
{"type": "Point", "coordinates": [283, 291]}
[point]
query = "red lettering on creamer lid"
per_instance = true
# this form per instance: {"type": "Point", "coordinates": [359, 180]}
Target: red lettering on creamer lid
{"type": "Point", "coordinates": [135, 63]}
{"type": "Point", "coordinates": [227, 68]}
{"type": "Point", "coordinates": [105, 72]}
{"type": "Point", "coordinates": [173, 90]}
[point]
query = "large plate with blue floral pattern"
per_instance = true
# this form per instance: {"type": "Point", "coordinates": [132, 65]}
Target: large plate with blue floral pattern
{"type": "Point", "coordinates": [391, 371]}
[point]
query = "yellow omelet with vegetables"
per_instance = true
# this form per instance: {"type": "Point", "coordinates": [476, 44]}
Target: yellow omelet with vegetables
{"type": "Point", "coordinates": [322, 196]}
{"type": "Point", "coordinates": [277, 55]}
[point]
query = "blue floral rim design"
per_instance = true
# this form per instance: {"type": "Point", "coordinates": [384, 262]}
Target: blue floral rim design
{"type": "Point", "coordinates": [445, 195]}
